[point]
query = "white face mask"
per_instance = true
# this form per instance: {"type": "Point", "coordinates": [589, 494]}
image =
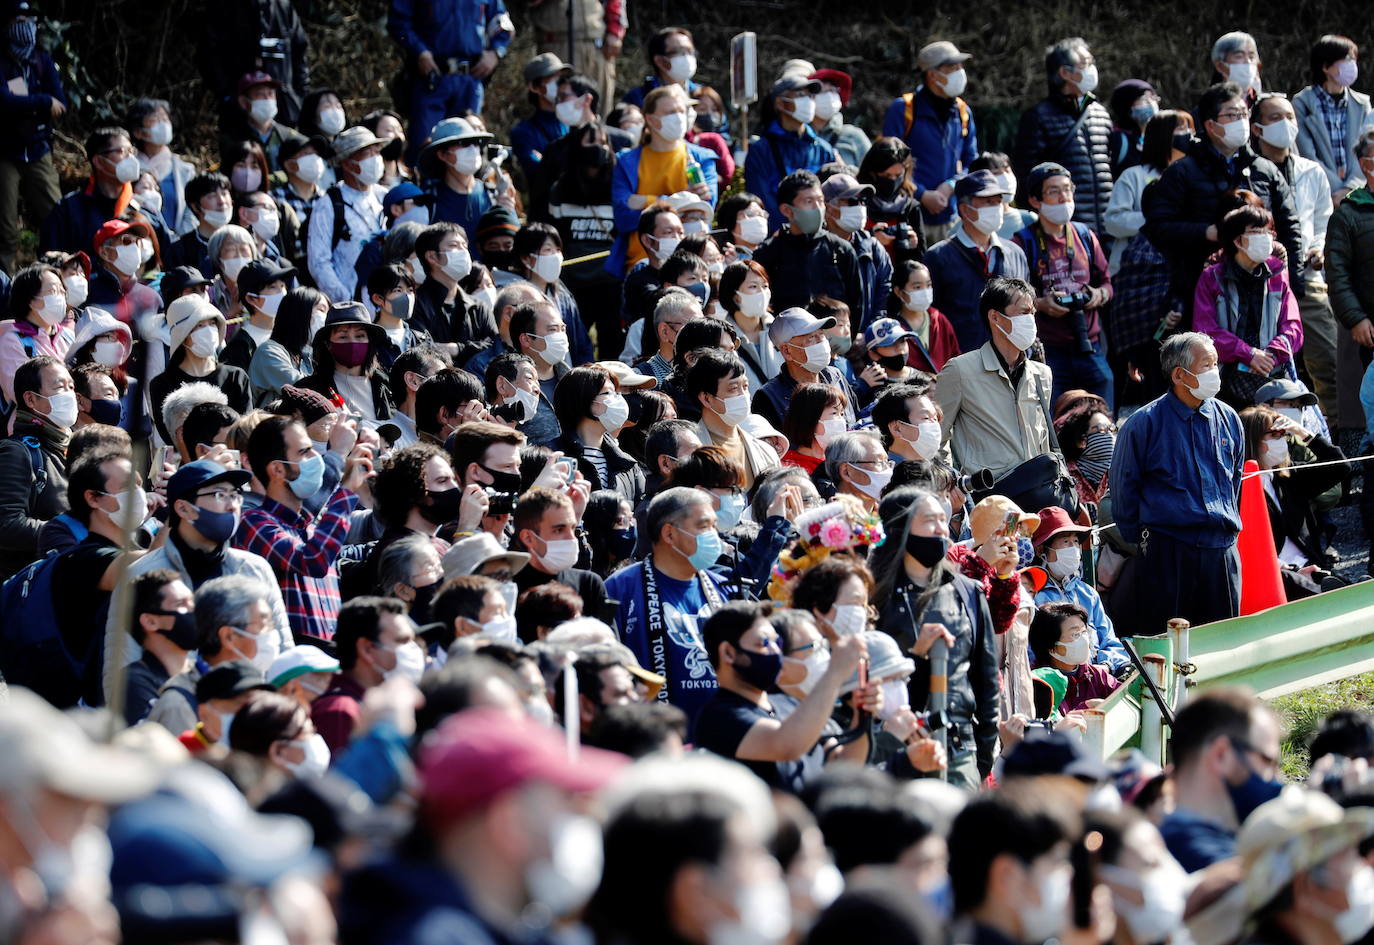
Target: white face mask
{"type": "Point", "coordinates": [635, 130]}
{"type": "Point", "coordinates": [752, 230]}
{"type": "Point", "coordinates": [1280, 134]}
{"type": "Point", "coordinates": [1077, 652]}
{"type": "Point", "coordinates": [410, 663]}
{"type": "Point", "coordinates": [150, 200]}
{"type": "Point", "coordinates": [551, 90]}
{"type": "Point", "coordinates": [918, 300]}
{"type": "Point", "coordinates": [877, 481]}
{"type": "Point", "coordinates": [52, 308]}
{"type": "Point", "coordinates": [803, 109]}
{"type": "Point", "coordinates": [1066, 561]}
{"type": "Point", "coordinates": [1274, 453]}
{"type": "Point", "coordinates": [694, 226]}
{"type": "Point", "coordinates": [1292, 413]}
{"type": "Point", "coordinates": [502, 628]}
{"type": "Point", "coordinates": [849, 620]}
{"type": "Point", "coordinates": [754, 304]}
{"type": "Point", "coordinates": [736, 410]}
{"type": "Point", "coordinates": [267, 223]}
{"type": "Point", "coordinates": [127, 170]}
{"type": "Point", "coordinates": [1047, 918]}
{"type": "Point", "coordinates": [1088, 80]}
{"type": "Point", "coordinates": [62, 409]}
{"type": "Point", "coordinates": [559, 554]}
{"type": "Point", "coordinates": [828, 105]}
{"type": "Point", "coordinates": [310, 168]}
{"type": "Point", "coordinates": [853, 218]}
{"type": "Point", "coordinates": [263, 110]}
{"type": "Point", "coordinates": [418, 215]}
{"type": "Point", "coordinates": [77, 287]}
{"type": "Point", "coordinates": [555, 347]}
{"type": "Point", "coordinates": [816, 663]}
{"type": "Point", "coordinates": [131, 514]}
{"type": "Point", "coordinates": [417, 270]}
{"type": "Point", "coordinates": [160, 133]}
{"type": "Point", "coordinates": [616, 412]}
{"type": "Point", "coordinates": [1208, 383]}
{"type": "Point", "coordinates": [232, 267]}
{"type": "Point", "coordinates": [664, 246]}
{"type": "Point", "coordinates": [1358, 918]}
{"type": "Point", "coordinates": [564, 881]}
{"type": "Point", "coordinates": [332, 120]}
{"type": "Point", "coordinates": [370, 170]}
{"type": "Point", "coordinates": [1022, 333]}
{"type": "Point", "coordinates": [128, 258]}
{"type": "Point", "coordinates": [268, 304]}
{"type": "Point", "coordinates": [955, 82]}
{"type": "Point", "coordinates": [108, 353]}
{"type": "Point", "coordinates": [817, 355]}
{"type": "Point", "coordinates": [1163, 891]}
{"type": "Point", "coordinates": [204, 341]}
{"type": "Point", "coordinates": [145, 251]}
{"type": "Point", "coordinates": [681, 68]}
{"type": "Point", "coordinates": [673, 126]}
{"type": "Point", "coordinates": [1007, 181]}
{"type": "Point", "coordinates": [764, 915]}
{"type": "Point", "coordinates": [487, 296]}
{"type": "Point", "coordinates": [457, 264]}
{"type": "Point", "coordinates": [927, 442]}
{"type": "Point", "coordinates": [216, 218]}
{"type": "Point", "coordinates": [895, 698]}
{"type": "Point", "coordinates": [268, 648]}
{"type": "Point", "coordinates": [1244, 74]}
{"type": "Point", "coordinates": [548, 266]}
{"type": "Point", "coordinates": [316, 760]}
{"type": "Point", "coordinates": [1235, 133]}
{"type": "Point", "coordinates": [466, 160]}
{"type": "Point", "coordinates": [829, 430]}
{"type": "Point", "coordinates": [569, 112]}
{"type": "Point", "coordinates": [989, 219]}
{"type": "Point", "coordinates": [1258, 246]}
{"type": "Point", "coordinates": [527, 400]}
{"type": "Point", "coordinates": [1057, 213]}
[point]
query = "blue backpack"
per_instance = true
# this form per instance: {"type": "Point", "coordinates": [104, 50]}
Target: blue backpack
{"type": "Point", "coordinates": [32, 651]}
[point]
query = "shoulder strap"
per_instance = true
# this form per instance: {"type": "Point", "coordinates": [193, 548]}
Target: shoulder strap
{"type": "Point", "coordinates": [963, 116]}
{"type": "Point", "coordinates": [78, 530]}
{"type": "Point", "coordinates": [30, 344]}
{"type": "Point", "coordinates": [40, 470]}
{"type": "Point", "coordinates": [1073, 131]}
{"type": "Point", "coordinates": [909, 110]}
{"type": "Point", "coordinates": [342, 233]}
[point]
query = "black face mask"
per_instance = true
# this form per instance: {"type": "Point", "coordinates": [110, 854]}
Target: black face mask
{"type": "Point", "coordinates": [182, 633]}
{"type": "Point", "coordinates": [927, 549]}
{"type": "Point", "coordinates": [105, 411]}
{"type": "Point", "coordinates": [442, 507]}
{"type": "Point", "coordinates": [424, 596]}
{"type": "Point", "coordinates": [1183, 141]}
{"type": "Point", "coordinates": [499, 259]}
{"type": "Point", "coordinates": [596, 156]}
{"type": "Point", "coordinates": [502, 481]}
{"type": "Point", "coordinates": [893, 362]}
{"type": "Point", "coordinates": [392, 150]}
{"type": "Point", "coordinates": [621, 544]}
{"type": "Point", "coordinates": [886, 187]}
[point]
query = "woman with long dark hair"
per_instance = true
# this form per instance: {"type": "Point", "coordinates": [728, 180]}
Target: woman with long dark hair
{"type": "Point", "coordinates": [346, 367]}
{"type": "Point", "coordinates": [590, 410]}
{"type": "Point", "coordinates": [286, 356]}
{"type": "Point", "coordinates": [925, 602]}
{"type": "Point", "coordinates": [609, 522]}
{"type": "Point", "coordinates": [538, 259]}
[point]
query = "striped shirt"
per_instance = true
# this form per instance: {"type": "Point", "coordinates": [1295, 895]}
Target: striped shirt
{"type": "Point", "coordinates": [1333, 116]}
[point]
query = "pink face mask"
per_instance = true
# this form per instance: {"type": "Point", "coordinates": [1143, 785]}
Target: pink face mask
{"type": "Point", "coordinates": [349, 353]}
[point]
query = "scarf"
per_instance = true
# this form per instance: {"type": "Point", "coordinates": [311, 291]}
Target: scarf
{"type": "Point", "coordinates": [1097, 456]}
{"type": "Point", "coordinates": [201, 566]}
{"type": "Point", "coordinates": [54, 439]}
{"type": "Point", "coordinates": [23, 36]}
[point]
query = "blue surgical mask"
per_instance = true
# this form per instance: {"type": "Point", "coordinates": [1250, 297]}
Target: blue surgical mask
{"type": "Point", "coordinates": [700, 290]}
{"type": "Point", "coordinates": [622, 542]}
{"type": "Point", "coordinates": [309, 478]}
{"type": "Point", "coordinates": [708, 550]}
{"type": "Point", "coordinates": [731, 508]}
{"type": "Point", "coordinates": [1253, 791]}
{"type": "Point", "coordinates": [217, 527]}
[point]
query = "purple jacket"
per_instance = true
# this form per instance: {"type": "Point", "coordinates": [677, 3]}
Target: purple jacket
{"type": "Point", "coordinates": [1216, 313]}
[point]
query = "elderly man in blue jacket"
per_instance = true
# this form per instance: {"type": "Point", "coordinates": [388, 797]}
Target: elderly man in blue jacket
{"type": "Point", "coordinates": [788, 144]}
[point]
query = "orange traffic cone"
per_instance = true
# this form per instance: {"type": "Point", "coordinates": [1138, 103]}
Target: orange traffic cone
{"type": "Point", "coordinates": [1261, 587]}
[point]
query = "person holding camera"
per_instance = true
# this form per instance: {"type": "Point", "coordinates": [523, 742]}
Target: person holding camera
{"type": "Point", "coordinates": [1069, 272]}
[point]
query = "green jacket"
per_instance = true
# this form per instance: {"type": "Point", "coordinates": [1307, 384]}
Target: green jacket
{"type": "Point", "coordinates": [1350, 258]}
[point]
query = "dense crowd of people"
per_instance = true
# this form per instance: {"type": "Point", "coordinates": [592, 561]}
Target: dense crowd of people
{"type": "Point", "coordinates": [608, 528]}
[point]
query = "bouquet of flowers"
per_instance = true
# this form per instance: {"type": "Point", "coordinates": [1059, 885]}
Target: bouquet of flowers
{"type": "Point", "coordinates": [843, 524]}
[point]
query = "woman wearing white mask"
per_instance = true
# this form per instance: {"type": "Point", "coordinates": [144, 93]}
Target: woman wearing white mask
{"type": "Point", "coordinates": [1149, 888]}
{"type": "Point", "coordinates": [231, 248]}
{"type": "Point", "coordinates": [286, 356]}
{"type": "Point", "coordinates": [100, 338]}
{"type": "Point", "coordinates": [591, 410]}
{"type": "Point", "coordinates": [1061, 638]}
{"type": "Point", "coordinates": [196, 330]}
{"type": "Point", "coordinates": [38, 310]}
{"type": "Point", "coordinates": [745, 218]}
{"type": "Point", "coordinates": [277, 730]}
{"type": "Point", "coordinates": [814, 417]}
{"type": "Point", "coordinates": [745, 295]}
{"type": "Point", "coordinates": [663, 164]}
{"type": "Point", "coordinates": [1277, 443]}
{"type": "Point", "coordinates": [538, 256]}
{"type": "Point", "coordinates": [322, 114]}
{"type": "Point", "coordinates": [1245, 305]}
{"type": "Point", "coordinates": [912, 303]}
{"type": "Point", "coordinates": [75, 269]}
{"type": "Point", "coordinates": [150, 122]}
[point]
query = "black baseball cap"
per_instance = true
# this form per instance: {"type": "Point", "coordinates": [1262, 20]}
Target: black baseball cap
{"type": "Point", "coordinates": [260, 273]}
{"type": "Point", "coordinates": [230, 679]}
{"type": "Point", "coordinates": [178, 280]}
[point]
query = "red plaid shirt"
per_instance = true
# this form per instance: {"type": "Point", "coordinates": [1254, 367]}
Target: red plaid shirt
{"type": "Point", "coordinates": [302, 551]}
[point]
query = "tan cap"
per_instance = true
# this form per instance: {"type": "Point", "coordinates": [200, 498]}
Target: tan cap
{"type": "Point", "coordinates": [934, 55]}
{"type": "Point", "coordinates": [627, 377]}
{"type": "Point", "coordinates": [991, 514]}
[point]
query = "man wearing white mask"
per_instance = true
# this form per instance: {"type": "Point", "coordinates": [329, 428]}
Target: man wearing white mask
{"type": "Point", "coordinates": [995, 400]}
{"type": "Point", "coordinates": [114, 285]}
{"type": "Point", "coordinates": [788, 144]}
{"type": "Point", "coordinates": [717, 382]}
{"type": "Point", "coordinates": [348, 214]}
{"type": "Point", "coordinates": [1175, 477]}
{"type": "Point", "coordinates": [1072, 128]}
{"type": "Point", "coordinates": [906, 418]}
{"type": "Point", "coordinates": [1274, 127]}
{"type": "Point", "coordinates": [273, 225]}
{"type": "Point", "coordinates": [672, 54]}
{"type": "Point", "coordinates": [1235, 58]}
{"type": "Point", "coordinates": [846, 215]}
{"type": "Point", "coordinates": [452, 160]}
{"type": "Point", "coordinates": [961, 266]}
{"type": "Point", "coordinates": [256, 118]}
{"type": "Point", "coordinates": [800, 338]}
{"type": "Point", "coordinates": [1069, 272]}
{"type": "Point", "coordinates": [451, 317]}
{"type": "Point", "coordinates": [532, 135]}
{"type": "Point", "coordinates": [849, 141]}
{"type": "Point", "coordinates": [211, 205]}
{"type": "Point", "coordinates": [45, 401]}
{"type": "Point", "coordinates": [858, 466]}
{"type": "Point", "coordinates": [547, 526]}
{"type": "Point", "coordinates": [307, 174]}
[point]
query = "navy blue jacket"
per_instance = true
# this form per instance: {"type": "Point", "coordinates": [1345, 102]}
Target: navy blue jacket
{"type": "Point", "coordinates": [777, 153]}
{"type": "Point", "coordinates": [74, 221]}
{"type": "Point", "coordinates": [28, 118]}
{"type": "Point", "coordinates": [958, 277]}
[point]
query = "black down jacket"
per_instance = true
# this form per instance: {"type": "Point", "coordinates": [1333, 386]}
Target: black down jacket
{"type": "Point", "coordinates": [1044, 136]}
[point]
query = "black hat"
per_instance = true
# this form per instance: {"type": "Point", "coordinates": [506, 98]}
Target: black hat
{"type": "Point", "coordinates": [178, 280]}
{"type": "Point", "coordinates": [297, 143]}
{"type": "Point", "coordinates": [260, 273]}
{"type": "Point", "coordinates": [352, 313]}
{"type": "Point", "coordinates": [230, 679]}
{"type": "Point", "coordinates": [1042, 752]}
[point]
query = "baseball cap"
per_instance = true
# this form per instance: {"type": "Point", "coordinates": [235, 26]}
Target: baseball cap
{"type": "Point", "coordinates": [298, 661]}
{"type": "Point", "coordinates": [544, 65]}
{"type": "Point", "coordinates": [791, 322]}
{"type": "Point", "coordinates": [250, 79]}
{"type": "Point", "coordinates": [469, 554]}
{"type": "Point", "coordinates": [978, 184]}
{"type": "Point", "coordinates": [178, 280]}
{"type": "Point", "coordinates": [480, 754]}
{"type": "Point", "coordinates": [939, 53]}
{"type": "Point", "coordinates": [260, 273]}
{"type": "Point", "coordinates": [230, 679]}
{"type": "Point", "coordinates": [884, 659]}
{"type": "Point", "coordinates": [1284, 389]}
{"type": "Point", "coordinates": [885, 331]}
{"type": "Point", "coordinates": [295, 144]}
{"type": "Point", "coordinates": [844, 187]}
{"type": "Point", "coordinates": [793, 81]}
{"type": "Point", "coordinates": [112, 228]}
{"type": "Point", "coordinates": [1035, 180]}
{"type": "Point", "coordinates": [405, 191]}
{"type": "Point", "coordinates": [200, 473]}
{"type": "Point", "coordinates": [841, 80]}
{"type": "Point", "coordinates": [1040, 752]}
{"type": "Point", "coordinates": [1055, 521]}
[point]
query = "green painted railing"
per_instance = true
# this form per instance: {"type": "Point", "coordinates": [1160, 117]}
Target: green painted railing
{"type": "Point", "coordinates": [1277, 651]}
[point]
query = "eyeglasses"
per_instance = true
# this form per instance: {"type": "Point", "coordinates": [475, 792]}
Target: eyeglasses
{"type": "Point", "coordinates": [1241, 745]}
{"type": "Point", "coordinates": [223, 496]}
{"type": "Point", "coordinates": [820, 646]}
{"type": "Point", "coordinates": [879, 465]}
{"type": "Point", "coordinates": [1103, 428]}
{"type": "Point", "coordinates": [1229, 116]}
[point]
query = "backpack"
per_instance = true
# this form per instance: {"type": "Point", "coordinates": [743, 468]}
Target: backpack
{"type": "Point", "coordinates": [342, 233]}
{"type": "Point", "coordinates": [32, 651]}
{"type": "Point", "coordinates": [909, 101]}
